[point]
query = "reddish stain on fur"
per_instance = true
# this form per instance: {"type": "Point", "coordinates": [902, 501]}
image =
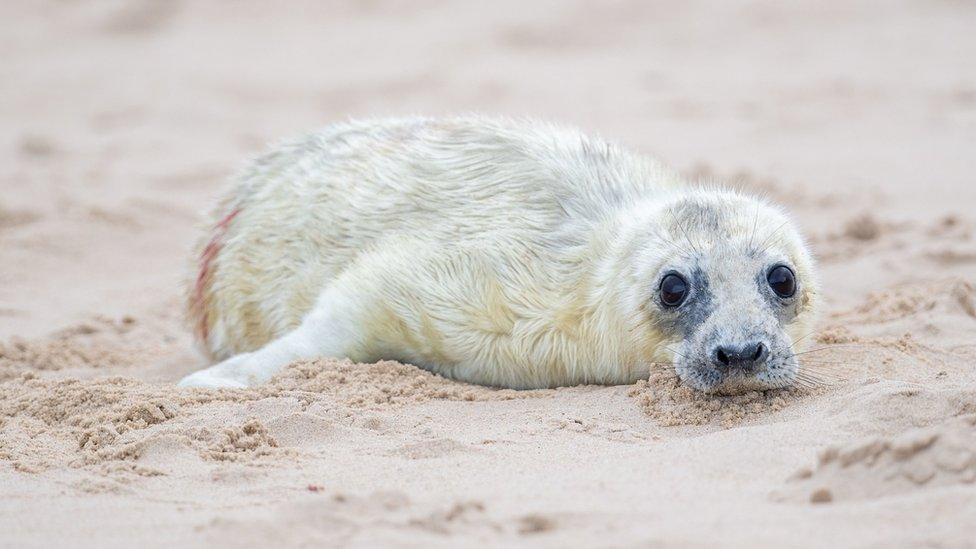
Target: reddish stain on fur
{"type": "Point", "coordinates": [209, 253]}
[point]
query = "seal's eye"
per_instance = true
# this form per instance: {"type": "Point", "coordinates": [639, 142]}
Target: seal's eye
{"type": "Point", "coordinates": [673, 290]}
{"type": "Point", "coordinates": [782, 280]}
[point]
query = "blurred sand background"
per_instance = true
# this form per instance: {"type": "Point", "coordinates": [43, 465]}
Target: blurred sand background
{"type": "Point", "coordinates": [120, 120]}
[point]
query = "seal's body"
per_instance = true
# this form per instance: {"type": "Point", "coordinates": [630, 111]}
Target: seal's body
{"type": "Point", "coordinates": [504, 253]}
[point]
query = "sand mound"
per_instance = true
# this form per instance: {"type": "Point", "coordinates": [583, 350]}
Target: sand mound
{"type": "Point", "coordinates": [381, 384]}
{"type": "Point", "coordinates": [377, 519]}
{"type": "Point", "coordinates": [924, 458]}
{"type": "Point", "coordinates": [670, 403]}
{"type": "Point", "coordinates": [98, 343]}
{"type": "Point", "coordinates": [889, 406]}
{"type": "Point", "coordinates": [950, 296]}
{"type": "Point", "coordinates": [926, 321]}
{"type": "Point", "coordinates": [88, 422]}
{"type": "Point", "coordinates": [78, 423]}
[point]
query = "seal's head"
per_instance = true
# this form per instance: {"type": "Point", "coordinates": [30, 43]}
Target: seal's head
{"type": "Point", "coordinates": [726, 289]}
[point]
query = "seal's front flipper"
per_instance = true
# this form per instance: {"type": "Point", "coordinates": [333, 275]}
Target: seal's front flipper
{"type": "Point", "coordinates": [327, 330]}
{"type": "Point", "coordinates": [226, 374]}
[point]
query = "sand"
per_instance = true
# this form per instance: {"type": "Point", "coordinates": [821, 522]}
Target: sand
{"type": "Point", "coordinates": [120, 120]}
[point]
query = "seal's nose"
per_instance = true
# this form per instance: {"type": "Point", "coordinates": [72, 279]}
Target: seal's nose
{"type": "Point", "coordinates": [747, 357]}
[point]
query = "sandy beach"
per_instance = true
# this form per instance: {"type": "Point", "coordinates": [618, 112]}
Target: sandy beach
{"type": "Point", "coordinates": [120, 121]}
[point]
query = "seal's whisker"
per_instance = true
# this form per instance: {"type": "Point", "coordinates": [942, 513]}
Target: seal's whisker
{"type": "Point", "coordinates": [676, 352]}
{"type": "Point", "coordinates": [803, 382]}
{"type": "Point", "coordinates": [676, 247]}
{"type": "Point", "coordinates": [645, 322]}
{"type": "Point", "coordinates": [762, 245]}
{"type": "Point", "coordinates": [808, 369]}
{"type": "Point", "coordinates": [772, 242]}
{"type": "Point", "coordinates": [821, 373]}
{"type": "Point", "coordinates": [755, 224]}
{"type": "Point", "coordinates": [827, 348]}
{"type": "Point", "coordinates": [811, 381]}
{"type": "Point", "coordinates": [682, 227]}
{"type": "Point", "coordinates": [826, 369]}
{"type": "Point", "coordinates": [822, 366]}
{"type": "Point", "coordinates": [811, 385]}
{"type": "Point", "coordinates": [818, 374]}
{"type": "Point", "coordinates": [801, 338]}
{"type": "Point", "coordinates": [638, 326]}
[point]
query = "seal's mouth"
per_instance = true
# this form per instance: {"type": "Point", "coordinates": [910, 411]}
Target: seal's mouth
{"type": "Point", "coordinates": [743, 382]}
{"type": "Point", "coordinates": [707, 373]}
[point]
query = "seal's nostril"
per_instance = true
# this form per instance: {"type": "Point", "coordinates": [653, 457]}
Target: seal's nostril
{"type": "Point", "coordinates": [723, 357]}
{"type": "Point", "coordinates": [760, 352]}
{"type": "Point", "coordinates": [746, 357]}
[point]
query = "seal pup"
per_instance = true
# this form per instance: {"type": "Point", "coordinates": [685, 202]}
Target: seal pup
{"type": "Point", "coordinates": [506, 253]}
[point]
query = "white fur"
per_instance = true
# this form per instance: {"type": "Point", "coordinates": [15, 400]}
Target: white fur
{"type": "Point", "coordinates": [507, 253]}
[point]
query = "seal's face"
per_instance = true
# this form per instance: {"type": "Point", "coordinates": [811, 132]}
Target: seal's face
{"type": "Point", "coordinates": [732, 290]}
{"type": "Point", "coordinates": [731, 309]}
